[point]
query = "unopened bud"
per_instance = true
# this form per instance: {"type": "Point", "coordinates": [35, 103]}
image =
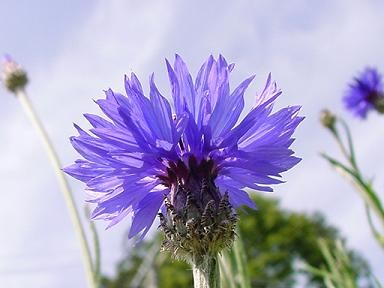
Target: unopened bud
{"type": "Point", "coordinates": [13, 75]}
{"type": "Point", "coordinates": [328, 119]}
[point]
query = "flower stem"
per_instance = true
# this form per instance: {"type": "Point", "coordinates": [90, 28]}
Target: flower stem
{"type": "Point", "coordinates": [68, 197]}
{"type": "Point", "coordinates": [378, 236]}
{"type": "Point", "coordinates": [206, 272]}
{"type": "Point", "coordinates": [96, 247]}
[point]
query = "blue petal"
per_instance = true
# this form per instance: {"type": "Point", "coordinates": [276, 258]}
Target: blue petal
{"type": "Point", "coordinates": [185, 85]}
{"type": "Point", "coordinates": [85, 171]}
{"type": "Point", "coordinates": [178, 100]}
{"type": "Point", "coordinates": [124, 139]}
{"type": "Point", "coordinates": [91, 149]}
{"type": "Point", "coordinates": [106, 182]}
{"type": "Point", "coordinates": [98, 122]}
{"type": "Point", "coordinates": [228, 110]}
{"type": "Point", "coordinates": [110, 107]}
{"type": "Point", "coordinates": [164, 123]}
{"type": "Point", "coordinates": [145, 213]}
{"type": "Point", "coordinates": [110, 207]}
{"type": "Point", "coordinates": [218, 84]}
{"type": "Point", "coordinates": [237, 196]}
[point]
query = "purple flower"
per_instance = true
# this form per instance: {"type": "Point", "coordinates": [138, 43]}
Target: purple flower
{"type": "Point", "coordinates": [365, 93]}
{"type": "Point", "coordinates": [145, 152]}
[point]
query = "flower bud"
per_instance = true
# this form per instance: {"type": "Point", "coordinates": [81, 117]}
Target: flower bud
{"type": "Point", "coordinates": [328, 119]}
{"type": "Point", "coordinates": [199, 221]}
{"type": "Point", "coordinates": [13, 75]}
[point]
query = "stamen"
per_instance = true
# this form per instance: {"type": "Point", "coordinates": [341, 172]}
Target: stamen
{"type": "Point", "coordinates": [181, 144]}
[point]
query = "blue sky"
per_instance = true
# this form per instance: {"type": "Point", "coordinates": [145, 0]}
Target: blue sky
{"type": "Point", "coordinates": [75, 49]}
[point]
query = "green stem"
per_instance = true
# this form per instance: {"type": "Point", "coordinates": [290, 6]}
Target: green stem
{"type": "Point", "coordinates": [378, 236]}
{"type": "Point", "coordinates": [146, 265]}
{"type": "Point", "coordinates": [96, 245]}
{"type": "Point", "coordinates": [68, 197]}
{"type": "Point", "coordinates": [238, 250]}
{"type": "Point", "coordinates": [226, 270]}
{"type": "Point", "coordinates": [351, 156]}
{"type": "Point", "coordinates": [369, 195]}
{"type": "Point", "coordinates": [206, 272]}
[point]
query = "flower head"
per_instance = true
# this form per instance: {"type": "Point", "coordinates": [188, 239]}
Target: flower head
{"type": "Point", "coordinates": [13, 75]}
{"type": "Point", "coordinates": [365, 93]}
{"type": "Point", "coordinates": [191, 162]}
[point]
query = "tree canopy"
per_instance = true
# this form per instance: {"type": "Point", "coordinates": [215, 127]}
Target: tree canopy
{"type": "Point", "coordinates": [276, 242]}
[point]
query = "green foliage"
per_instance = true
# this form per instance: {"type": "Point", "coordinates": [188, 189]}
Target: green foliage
{"type": "Point", "coordinates": [275, 243]}
{"type": "Point", "coordinates": [352, 172]}
{"type": "Point", "coordinates": [168, 272]}
{"type": "Point", "coordinates": [277, 240]}
{"type": "Point", "coordinates": [338, 272]}
{"type": "Point", "coordinates": [233, 266]}
{"type": "Point", "coordinates": [174, 273]}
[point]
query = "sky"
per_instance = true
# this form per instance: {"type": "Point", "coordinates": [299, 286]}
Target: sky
{"type": "Point", "coordinates": [73, 50]}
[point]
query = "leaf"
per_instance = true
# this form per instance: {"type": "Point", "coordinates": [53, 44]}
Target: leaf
{"type": "Point", "coordinates": [369, 195]}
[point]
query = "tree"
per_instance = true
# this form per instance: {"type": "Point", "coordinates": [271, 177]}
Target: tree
{"type": "Point", "coordinates": [276, 241]}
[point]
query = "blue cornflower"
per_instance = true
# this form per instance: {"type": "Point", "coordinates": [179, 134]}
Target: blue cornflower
{"type": "Point", "coordinates": [148, 157]}
{"type": "Point", "coordinates": [365, 93]}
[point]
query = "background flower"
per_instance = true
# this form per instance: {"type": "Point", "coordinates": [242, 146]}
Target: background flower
{"type": "Point", "coordinates": [364, 93]}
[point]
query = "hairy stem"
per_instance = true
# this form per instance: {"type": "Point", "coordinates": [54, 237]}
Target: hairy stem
{"type": "Point", "coordinates": [206, 272]}
{"type": "Point", "coordinates": [68, 197]}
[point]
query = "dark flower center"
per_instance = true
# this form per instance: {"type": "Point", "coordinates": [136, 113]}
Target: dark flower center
{"type": "Point", "coordinates": [373, 96]}
{"type": "Point", "coordinates": [377, 100]}
{"type": "Point", "coordinates": [195, 180]}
